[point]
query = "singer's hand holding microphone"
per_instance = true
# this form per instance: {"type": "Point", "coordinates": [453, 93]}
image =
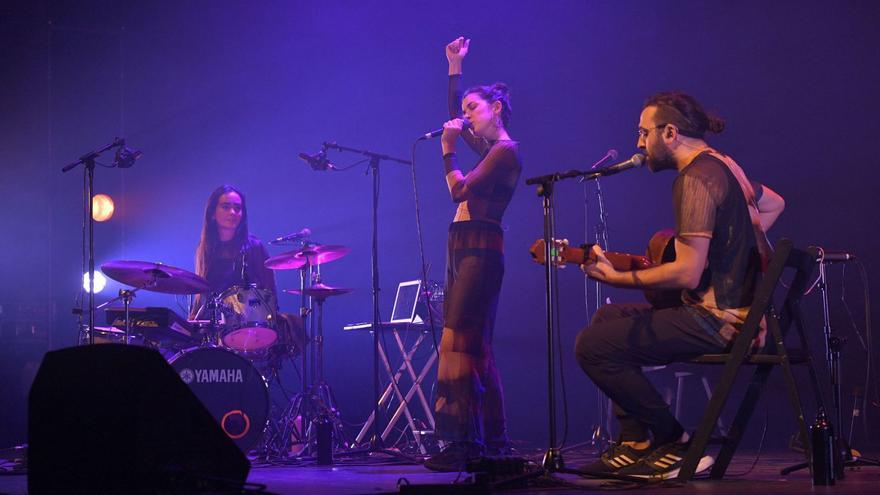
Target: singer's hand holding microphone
{"type": "Point", "coordinates": [448, 133]}
{"type": "Point", "coordinates": [451, 130]}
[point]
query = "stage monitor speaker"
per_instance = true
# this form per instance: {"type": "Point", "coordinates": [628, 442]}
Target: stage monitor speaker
{"type": "Point", "coordinates": [117, 419]}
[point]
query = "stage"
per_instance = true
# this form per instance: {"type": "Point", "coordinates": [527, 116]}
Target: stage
{"type": "Point", "coordinates": [383, 474]}
{"type": "Point", "coordinates": [202, 179]}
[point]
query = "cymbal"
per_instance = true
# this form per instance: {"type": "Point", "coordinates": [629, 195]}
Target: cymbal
{"type": "Point", "coordinates": [155, 277]}
{"type": "Point", "coordinates": [313, 255]}
{"type": "Point", "coordinates": [320, 291]}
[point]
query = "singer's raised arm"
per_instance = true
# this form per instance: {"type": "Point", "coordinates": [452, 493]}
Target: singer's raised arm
{"type": "Point", "coordinates": [455, 53]}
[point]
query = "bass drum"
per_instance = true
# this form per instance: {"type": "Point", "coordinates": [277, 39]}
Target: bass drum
{"type": "Point", "coordinates": [230, 388]}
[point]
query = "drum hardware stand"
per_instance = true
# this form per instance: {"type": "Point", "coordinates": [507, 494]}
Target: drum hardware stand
{"type": "Point", "coordinates": [311, 411]}
{"type": "Point", "coordinates": [843, 456]}
{"type": "Point", "coordinates": [126, 296]}
{"type": "Point", "coordinates": [376, 442]}
{"type": "Point", "coordinates": [212, 306]}
{"type": "Point", "coordinates": [320, 396]}
{"type": "Point", "coordinates": [300, 406]}
{"type": "Point", "coordinates": [88, 162]}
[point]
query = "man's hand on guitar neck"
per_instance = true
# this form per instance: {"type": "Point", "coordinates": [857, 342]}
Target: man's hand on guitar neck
{"type": "Point", "coordinates": [602, 269]}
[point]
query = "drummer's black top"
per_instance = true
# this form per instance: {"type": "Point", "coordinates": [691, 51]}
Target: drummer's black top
{"type": "Point", "coordinates": [224, 269]}
{"type": "Point", "coordinates": [224, 266]}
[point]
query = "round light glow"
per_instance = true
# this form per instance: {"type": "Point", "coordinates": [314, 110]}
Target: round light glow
{"type": "Point", "coordinates": [100, 281]}
{"type": "Point", "coordinates": [102, 208]}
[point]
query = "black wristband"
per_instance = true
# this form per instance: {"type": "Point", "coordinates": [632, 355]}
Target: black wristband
{"type": "Point", "coordinates": [450, 162]}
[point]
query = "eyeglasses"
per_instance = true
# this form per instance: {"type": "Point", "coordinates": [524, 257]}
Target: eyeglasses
{"type": "Point", "coordinates": [643, 133]}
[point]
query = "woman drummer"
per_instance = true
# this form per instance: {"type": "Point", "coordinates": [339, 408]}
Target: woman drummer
{"type": "Point", "coordinates": [228, 255]}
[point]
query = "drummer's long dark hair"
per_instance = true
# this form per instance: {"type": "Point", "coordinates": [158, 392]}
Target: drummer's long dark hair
{"type": "Point", "coordinates": [210, 238]}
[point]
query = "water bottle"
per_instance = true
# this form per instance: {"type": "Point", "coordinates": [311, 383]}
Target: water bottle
{"type": "Point", "coordinates": [823, 450]}
{"type": "Point", "coordinates": [324, 440]}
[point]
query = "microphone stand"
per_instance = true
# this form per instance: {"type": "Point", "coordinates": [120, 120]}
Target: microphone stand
{"type": "Point", "coordinates": [601, 437]}
{"type": "Point", "coordinates": [88, 162]}
{"type": "Point", "coordinates": [553, 461]}
{"type": "Point", "coordinates": [843, 453]}
{"type": "Point", "coordinates": [376, 443]}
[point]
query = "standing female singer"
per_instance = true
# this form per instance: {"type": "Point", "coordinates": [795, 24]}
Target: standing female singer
{"type": "Point", "coordinates": [469, 411]}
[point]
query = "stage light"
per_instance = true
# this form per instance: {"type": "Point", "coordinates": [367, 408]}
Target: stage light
{"type": "Point", "coordinates": [102, 207]}
{"type": "Point", "coordinates": [100, 281]}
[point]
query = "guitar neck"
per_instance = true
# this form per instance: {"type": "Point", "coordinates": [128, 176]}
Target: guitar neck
{"type": "Point", "coordinates": [620, 261]}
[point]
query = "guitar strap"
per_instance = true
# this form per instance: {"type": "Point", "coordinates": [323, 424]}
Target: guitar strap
{"type": "Point", "coordinates": [764, 248]}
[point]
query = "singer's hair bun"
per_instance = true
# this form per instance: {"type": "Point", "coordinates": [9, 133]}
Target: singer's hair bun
{"type": "Point", "coordinates": [495, 92]}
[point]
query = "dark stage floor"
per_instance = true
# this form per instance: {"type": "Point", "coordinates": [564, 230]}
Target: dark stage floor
{"type": "Point", "coordinates": [745, 476]}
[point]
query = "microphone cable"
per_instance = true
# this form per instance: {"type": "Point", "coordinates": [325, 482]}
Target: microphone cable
{"type": "Point", "coordinates": [422, 260]}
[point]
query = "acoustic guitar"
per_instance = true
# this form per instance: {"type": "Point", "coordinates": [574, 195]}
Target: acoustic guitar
{"type": "Point", "coordinates": [661, 249]}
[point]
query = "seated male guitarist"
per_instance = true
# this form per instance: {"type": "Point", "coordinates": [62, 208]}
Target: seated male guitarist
{"type": "Point", "coordinates": [720, 248]}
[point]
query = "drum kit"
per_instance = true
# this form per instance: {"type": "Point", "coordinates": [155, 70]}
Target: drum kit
{"type": "Point", "coordinates": [230, 359]}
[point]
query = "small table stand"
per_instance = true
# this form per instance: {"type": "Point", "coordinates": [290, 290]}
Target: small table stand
{"type": "Point", "coordinates": [393, 391]}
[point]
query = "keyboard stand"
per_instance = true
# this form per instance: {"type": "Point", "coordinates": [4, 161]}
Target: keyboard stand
{"type": "Point", "coordinates": [393, 390]}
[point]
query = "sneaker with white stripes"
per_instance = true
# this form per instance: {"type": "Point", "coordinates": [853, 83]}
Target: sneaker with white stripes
{"type": "Point", "coordinates": [665, 462]}
{"type": "Point", "coordinates": [616, 457]}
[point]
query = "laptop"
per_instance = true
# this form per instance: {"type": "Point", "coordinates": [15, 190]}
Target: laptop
{"type": "Point", "coordinates": [403, 313]}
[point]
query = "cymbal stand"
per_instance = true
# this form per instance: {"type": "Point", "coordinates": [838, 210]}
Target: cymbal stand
{"type": "Point", "coordinates": [321, 392]}
{"type": "Point", "coordinates": [126, 296]}
{"type": "Point", "coordinates": [293, 421]}
{"type": "Point", "coordinates": [315, 405]}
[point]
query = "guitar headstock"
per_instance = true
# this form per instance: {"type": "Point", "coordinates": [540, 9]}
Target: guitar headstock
{"type": "Point", "coordinates": [560, 253]}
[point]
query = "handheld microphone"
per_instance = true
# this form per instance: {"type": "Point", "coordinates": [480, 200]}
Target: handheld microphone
{"type": "Point", "coordinates": [636, 161]}
{"type": "Point", "coordinates": [302, 234]}
{"type": "Point", "coordinates": [466, 124]}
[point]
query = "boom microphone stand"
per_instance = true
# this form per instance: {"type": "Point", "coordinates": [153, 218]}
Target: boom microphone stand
{"type": "Point", "coordinates": [376, 443]}
{"type": "Point", "coordinates": [843, 456]}
{"type": "Point", "coordinates": [553, 460]}
{"type": "Point", "coordinates": [600, 436]}
{"type": "Point", "coordinates": [88, 162]}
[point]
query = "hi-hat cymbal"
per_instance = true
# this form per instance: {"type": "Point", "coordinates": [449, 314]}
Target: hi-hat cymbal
{"type": "Point", "coordinates": [320, 291]}
{"type": "Point", "coordinates": [313, 255]}
{"type": "Point", "coordinates": [155, 277]}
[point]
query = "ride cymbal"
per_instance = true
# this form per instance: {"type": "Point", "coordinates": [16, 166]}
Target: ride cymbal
{"type": "Point", "coordinates": [155, 277]}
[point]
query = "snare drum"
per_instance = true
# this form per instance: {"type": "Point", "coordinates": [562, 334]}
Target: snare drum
{"type": "Point", "coordinates": [230, 388]}
{"type": "Point", "coordinates": [248, 319]}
